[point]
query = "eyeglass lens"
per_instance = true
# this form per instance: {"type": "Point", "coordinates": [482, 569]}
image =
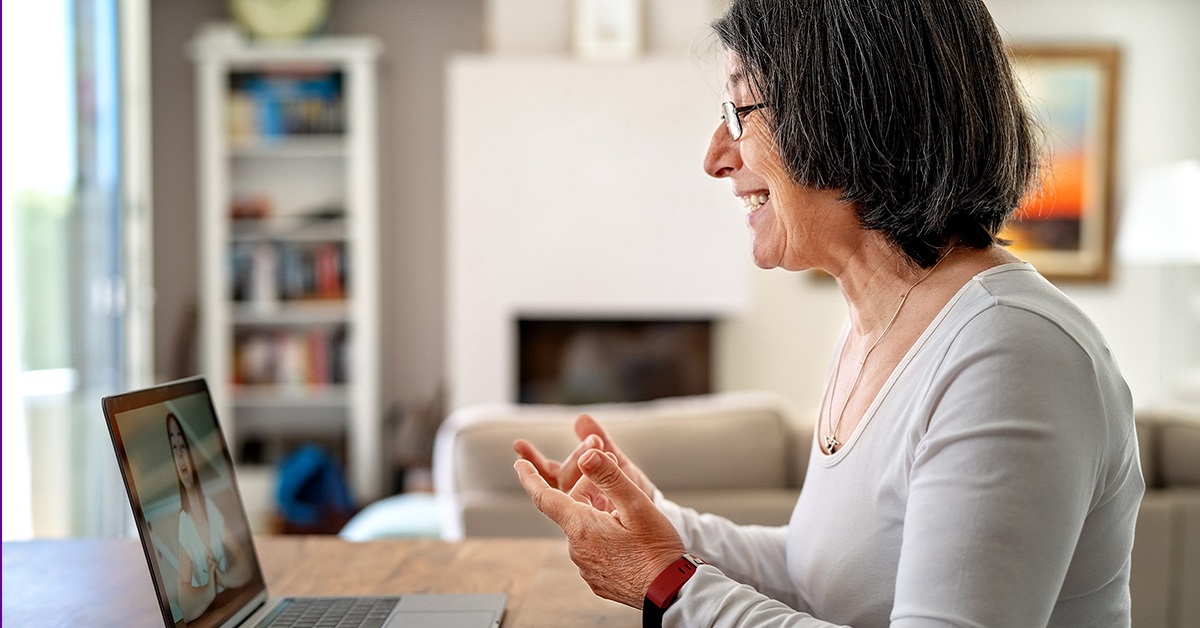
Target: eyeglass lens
{"type": "Point", "coordinates": [733, 122]}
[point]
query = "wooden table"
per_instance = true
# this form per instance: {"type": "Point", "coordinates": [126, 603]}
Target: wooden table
{"type": "Point", "coordinates": [105, 582]}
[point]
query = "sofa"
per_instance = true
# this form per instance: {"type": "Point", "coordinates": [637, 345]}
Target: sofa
{"type": "Point", "coordinates": [743, 456]}
{"type": "Point", "coordinates": [732, 454]}
{"type": "Point", "coordinates": [1166, 550]}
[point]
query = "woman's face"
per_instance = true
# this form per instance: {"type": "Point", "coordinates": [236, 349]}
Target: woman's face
{"type": "Point", "coordinates": [180, 452]}
{"type": "Point", "coordinates": [786, 219]}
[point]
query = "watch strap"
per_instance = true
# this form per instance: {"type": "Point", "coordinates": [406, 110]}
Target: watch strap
{"type": "Point", "coordinates": [652, 615]}
{"type": "Point", "coordinates": [665, 588]}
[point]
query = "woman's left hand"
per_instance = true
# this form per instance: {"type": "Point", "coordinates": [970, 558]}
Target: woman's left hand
{"type": "Point", "coordinates": [617, 537]}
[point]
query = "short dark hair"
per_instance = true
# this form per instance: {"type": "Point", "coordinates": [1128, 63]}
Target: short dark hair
{"type": "Point", "coordinates": [909, 107]}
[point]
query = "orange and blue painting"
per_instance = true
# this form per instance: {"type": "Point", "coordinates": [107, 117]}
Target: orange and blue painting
{"type": "Point", "coordinates": [1063, 226]}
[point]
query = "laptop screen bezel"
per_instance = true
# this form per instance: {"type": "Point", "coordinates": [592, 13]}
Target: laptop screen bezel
{"type": "Point", "coordinates": [114, 406]}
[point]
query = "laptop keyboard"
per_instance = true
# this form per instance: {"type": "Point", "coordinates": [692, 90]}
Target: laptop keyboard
{"type": "Point", "coordinates": [333, 612]}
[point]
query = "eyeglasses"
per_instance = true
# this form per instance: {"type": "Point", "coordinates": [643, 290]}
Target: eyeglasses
{"type": "Point", "coordinates": [733, 117]}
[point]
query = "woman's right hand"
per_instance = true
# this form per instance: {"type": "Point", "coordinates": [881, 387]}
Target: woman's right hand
{"type": "Point", "coordinates": [565, 474]}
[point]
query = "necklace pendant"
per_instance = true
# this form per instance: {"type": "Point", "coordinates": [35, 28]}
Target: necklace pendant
{"type": "Point", "coordinates": [831, 443]}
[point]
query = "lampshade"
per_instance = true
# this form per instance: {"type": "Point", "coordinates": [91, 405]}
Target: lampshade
{"type": "Point", "coordinates": [1161, 221]}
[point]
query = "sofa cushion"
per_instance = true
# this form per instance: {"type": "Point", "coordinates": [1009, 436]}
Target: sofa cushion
{"type": "Point", "coordinates": [1165, 573]}
{"type": "Point", "coordinates": [681, 444]}
{"type": "Point", "coordinates": [1150, 575]}
{"type": "Point", "coordinates": [718, 450]}
{"type": "Point", "coordinates": [492, 513]}
{"type": "Point", "coordinates": [1178, 462]}
{"type": "Point", "coordinates": [769, 507]}
{"type": "Point", "coordinates": [732, 453]}
{"type": "Point", "coordinates": [1147, 435]}
{"type": "Point", "coordinates": [1187, 554]}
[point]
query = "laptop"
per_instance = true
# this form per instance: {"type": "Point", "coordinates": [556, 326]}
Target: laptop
{"type": "Point", "coordinates": [179, 475]}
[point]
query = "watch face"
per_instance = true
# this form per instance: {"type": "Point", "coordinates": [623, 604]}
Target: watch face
{"type": "Point", "coordinates": [280, 19]}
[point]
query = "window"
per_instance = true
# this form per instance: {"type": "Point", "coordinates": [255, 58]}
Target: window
{"type": "Point", "coordinates": [65, 243]}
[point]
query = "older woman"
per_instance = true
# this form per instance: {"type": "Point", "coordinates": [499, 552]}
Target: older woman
{"type": "Point", "coordinates": [975, 462]}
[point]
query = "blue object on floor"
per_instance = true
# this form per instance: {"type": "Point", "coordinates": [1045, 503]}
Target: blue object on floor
{"type": "Point", "coordinates": [312, 489]}
{"type": "Point", "coordinates": [407, 515]}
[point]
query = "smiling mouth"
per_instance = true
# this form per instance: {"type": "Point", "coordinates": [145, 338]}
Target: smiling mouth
{"type": "Point", "coordinates": [754, 201]}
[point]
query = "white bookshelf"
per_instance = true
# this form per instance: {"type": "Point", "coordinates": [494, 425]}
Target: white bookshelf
{"type": "Point", "coordinates": [289, 271]}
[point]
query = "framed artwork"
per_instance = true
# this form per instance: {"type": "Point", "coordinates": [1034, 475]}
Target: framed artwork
{"type": "Point", "coordinates": [1065, 227]}
{"type": "Point", "coordinates": [608, 29]}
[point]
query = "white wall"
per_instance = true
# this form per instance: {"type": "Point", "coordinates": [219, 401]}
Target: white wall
{"type": "Point", "coordinates": [782, 339]}
{"type": "Point", "coordinates": [558, 204]}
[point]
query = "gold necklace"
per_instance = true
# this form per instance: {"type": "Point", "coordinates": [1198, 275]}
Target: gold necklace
{"type": "Point", "coordinates": [832, 444]}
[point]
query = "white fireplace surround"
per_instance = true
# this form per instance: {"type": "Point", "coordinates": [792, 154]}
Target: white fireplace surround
{"type": "Point", "coordinates": [576, 190]}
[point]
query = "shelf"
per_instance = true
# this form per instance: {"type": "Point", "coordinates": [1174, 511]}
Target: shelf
{"type": "Point", "coordinates": [288, 195]}
{"type": "Point", "coordinates": [272, 396]}
{"type": "Point", "coordinates": [246, 55]}
{"type": "Point", "coordinates": [291, 313]}
{"type": "Point", "coordinates": [312, 228]}
{"type": "Point", "coordinates": [288, 147]}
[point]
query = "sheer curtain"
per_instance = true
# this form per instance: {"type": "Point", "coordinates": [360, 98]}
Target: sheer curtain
{"type": "Point", "coordinates": [18, 514]}
{"type": "Point", "coordinates": [38, 171]}
{"type": "Point", "coordinates": [76, 277]}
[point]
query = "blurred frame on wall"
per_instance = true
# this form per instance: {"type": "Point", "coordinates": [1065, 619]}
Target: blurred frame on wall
{"type": "Point", "coordinates": [1065, 225]}
{"type": "Point", "coordinates": [608, 30]}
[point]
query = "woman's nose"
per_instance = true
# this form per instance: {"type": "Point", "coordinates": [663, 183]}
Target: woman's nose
{"type": "Point", "coordinates": [722, 158]}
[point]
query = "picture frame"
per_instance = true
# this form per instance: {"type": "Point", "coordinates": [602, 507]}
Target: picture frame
{"type": "Point", "coordinates": [607, 30]}
{"type": "Point", "coordinates": [1064, 226]}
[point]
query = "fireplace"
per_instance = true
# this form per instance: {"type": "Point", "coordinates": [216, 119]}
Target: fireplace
{"type": "Point", "coordinates": [554, 234]}
{"type": "Point", "coordinates": [607, 360]}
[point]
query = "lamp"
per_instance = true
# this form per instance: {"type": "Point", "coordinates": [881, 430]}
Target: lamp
{"type": "Point", "coordinates": [1162, 216]}
{"type": "Point", "coordinates": [1161, 227]}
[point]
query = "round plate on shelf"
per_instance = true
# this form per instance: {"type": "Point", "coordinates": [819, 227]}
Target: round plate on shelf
{"type": "Point", "coordinates": [280, 19]}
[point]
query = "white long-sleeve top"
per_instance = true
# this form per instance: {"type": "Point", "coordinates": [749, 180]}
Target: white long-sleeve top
{"type": "Point", "coordinates": [994, 481]}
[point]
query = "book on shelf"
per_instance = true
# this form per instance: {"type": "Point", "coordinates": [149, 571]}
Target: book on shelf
{"type": "Point", "coordinates": [266, 273]}
{"type": "Point", "coordinates": [292, 358]}
{"type": "Point", "coordinates": [328, 280]}
{"type": "Point", "coordinates": [320, 370]}
{"type": "Point", "coordinates": [271, 105]}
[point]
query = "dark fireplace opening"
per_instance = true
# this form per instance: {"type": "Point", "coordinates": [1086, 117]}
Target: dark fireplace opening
{"type": "Point", "coordinates": [599, 361]}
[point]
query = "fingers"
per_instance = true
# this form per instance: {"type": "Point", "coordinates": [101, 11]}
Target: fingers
{"type": "Point", "coordinates": [549, 469]}
{"type": "Point", "coordinates": [586, 426]}
{"type": "Point", "coordinates": [552, 502]}
{"type": "Point", "coordinates": [585, 491]}
{"type": "Point", "coordinates": [602, 469]}
{"type": "Point", "coordinates": [568, 472]}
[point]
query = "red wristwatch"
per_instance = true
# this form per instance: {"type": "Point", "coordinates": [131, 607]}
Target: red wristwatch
{"type": "Point", "coordinates": [665, 589]}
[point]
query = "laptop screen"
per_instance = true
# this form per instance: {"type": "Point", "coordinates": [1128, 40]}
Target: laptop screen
{"type": "Point", "coordinates": [185, 501]}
